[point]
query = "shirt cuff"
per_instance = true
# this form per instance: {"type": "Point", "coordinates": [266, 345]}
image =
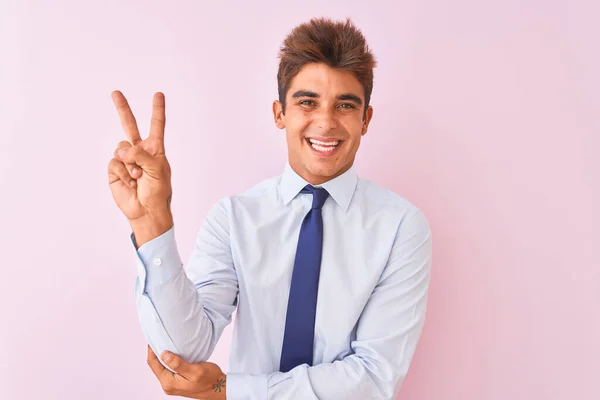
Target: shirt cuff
{"type": "Point", "coordinates": [242, 386]}
{"type": "Point", "coordinates": [158, 260]}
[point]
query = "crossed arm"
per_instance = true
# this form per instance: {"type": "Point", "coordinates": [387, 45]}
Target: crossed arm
{"type": "Point", "coordinates": [185, 313]}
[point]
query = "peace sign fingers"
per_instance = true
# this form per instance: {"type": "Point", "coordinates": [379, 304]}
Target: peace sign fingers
{"type": "Point", "coordinates": [127, 119]}
{"type": "Point", "coordinates": [157, 124]}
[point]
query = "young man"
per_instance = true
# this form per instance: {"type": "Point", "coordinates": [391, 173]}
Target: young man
{"type": "Point", "coordinates": [329, 271]}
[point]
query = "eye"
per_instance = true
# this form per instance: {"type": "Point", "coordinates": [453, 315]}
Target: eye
{"type": "Point", "coordinates": [347, 106]}
{"type": "Point", "coordinates": [306, 102]}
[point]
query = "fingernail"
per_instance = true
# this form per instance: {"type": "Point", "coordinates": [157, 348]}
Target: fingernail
{"type": "Point", "coordinates": [132, 183]}
{"type": "Point", "coordinates": [166, 357]}
{"type": "Point", "coordinates": [134, 171]}
{"type": "Point", "coordinates": [121, 153]}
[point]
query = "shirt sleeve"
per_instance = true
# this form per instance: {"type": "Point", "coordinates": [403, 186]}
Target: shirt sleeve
{"type": "Point", "coordinates": [184, 310]}
{"type": "Point", "coordinates": [387, 334]}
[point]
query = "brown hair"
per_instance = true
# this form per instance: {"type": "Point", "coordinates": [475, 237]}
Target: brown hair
{"type": "Point", "coordinates": [321, 40]}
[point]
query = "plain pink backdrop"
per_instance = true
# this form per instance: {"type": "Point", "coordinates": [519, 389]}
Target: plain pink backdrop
{"type": "Point", "coordinates": [486, 117]}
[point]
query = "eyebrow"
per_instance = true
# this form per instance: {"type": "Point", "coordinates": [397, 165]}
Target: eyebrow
{"type": "Point", "coordinates": [343, 96]}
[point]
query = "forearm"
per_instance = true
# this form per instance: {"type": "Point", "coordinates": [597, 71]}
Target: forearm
{"type": "Point", "coordinates": [354, 377]}
{"type": "Point", "coordinates": [185, 311]}
{"type": "Point", "coordinates": [173, 318]}
{"type": "Point", "coordinates": [375, 371]}
{"type": "Point", "coordinates": [170, 309]}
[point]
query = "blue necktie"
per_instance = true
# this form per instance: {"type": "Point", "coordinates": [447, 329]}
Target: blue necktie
{"type": "Point", "coordinates": [299, 334]}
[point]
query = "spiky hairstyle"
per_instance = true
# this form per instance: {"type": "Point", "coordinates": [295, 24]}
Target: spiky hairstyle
{"type": "Point", "coordinates": [335, 43]}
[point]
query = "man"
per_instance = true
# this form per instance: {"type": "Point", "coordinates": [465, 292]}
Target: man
{"type": "Point", "coordinates": [329, 272]}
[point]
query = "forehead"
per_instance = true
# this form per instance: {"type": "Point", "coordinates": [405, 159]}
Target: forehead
{"type": "Point", "coordinates": [324, 80]}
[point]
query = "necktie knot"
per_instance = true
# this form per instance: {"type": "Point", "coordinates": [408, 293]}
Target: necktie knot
{"type": "Point", "coordinates": [319, 195]}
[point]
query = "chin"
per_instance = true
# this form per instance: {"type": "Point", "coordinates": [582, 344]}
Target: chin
{"type": "Point", "coordinates": [326, 171]}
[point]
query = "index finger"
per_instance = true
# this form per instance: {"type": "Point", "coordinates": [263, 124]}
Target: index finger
{"type": "Point", "coordinates": [127, 119]}
{"type": "Point", "coordinates": [157, 124]}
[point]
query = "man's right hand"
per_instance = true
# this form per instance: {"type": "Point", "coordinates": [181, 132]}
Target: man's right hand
{"type": "Point", "coordinates": [139, 175]}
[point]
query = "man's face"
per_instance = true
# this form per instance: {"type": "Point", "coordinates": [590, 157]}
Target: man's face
{"type": "Point", "coordinates": [323, 105]}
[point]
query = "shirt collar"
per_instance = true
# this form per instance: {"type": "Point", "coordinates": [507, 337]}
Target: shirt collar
{"type": "Point", "coordinates": [341, 188]}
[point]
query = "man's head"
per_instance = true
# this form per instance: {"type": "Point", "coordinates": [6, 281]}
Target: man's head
{"type": "Point", "coordinates": [325, 81]}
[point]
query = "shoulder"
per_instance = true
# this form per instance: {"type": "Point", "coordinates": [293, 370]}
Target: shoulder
{"type": "Point", "coordinates": [379, 196]}
{"type": "Point", "coordinates": [392, 206]}
{"type": "Point", "coordinates": [412, 241]}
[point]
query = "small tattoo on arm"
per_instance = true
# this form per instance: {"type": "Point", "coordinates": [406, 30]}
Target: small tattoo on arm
{"type": "Point", "coordinates": [217, 386]}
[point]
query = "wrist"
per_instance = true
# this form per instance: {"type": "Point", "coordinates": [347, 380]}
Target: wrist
{"type": "Point", "coordinates": [151, 226]}
{"type": "Point", "coordinates": [222, 391]}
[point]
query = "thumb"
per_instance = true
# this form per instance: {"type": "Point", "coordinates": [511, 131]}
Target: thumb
{"type": "Point", "coordinates": [176, 363]}
{"type": "Point", "coordinates": [135, 155]}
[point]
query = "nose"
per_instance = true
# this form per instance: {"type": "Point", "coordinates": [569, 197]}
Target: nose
{"type": "Point", "coordinates": [326, 120]}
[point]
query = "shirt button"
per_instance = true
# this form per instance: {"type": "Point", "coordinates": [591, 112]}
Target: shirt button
{"type": "Point", "coordinates": [157, 261]}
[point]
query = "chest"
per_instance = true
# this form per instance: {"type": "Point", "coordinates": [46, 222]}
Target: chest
{"type": "Point", "coordinates": [356, 247]}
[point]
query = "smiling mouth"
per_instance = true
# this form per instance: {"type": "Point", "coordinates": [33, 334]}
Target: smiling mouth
{"type": "Point", "coordinates": [323, 147]}
{"type": "Point", "coordinates": [323, 150]}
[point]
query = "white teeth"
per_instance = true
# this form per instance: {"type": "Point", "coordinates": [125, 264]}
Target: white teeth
{"type": "Point", "coordinates": [313, 141]}
{"type": "Point", "coordinates": [322, 148]}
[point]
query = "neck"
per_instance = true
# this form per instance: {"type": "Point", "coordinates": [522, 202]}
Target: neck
{"type": "Point", "coordinates": [318, 179]}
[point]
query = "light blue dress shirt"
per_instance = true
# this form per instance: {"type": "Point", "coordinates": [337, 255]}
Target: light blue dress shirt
{"type": "Point", "coordinates": [374, 277]}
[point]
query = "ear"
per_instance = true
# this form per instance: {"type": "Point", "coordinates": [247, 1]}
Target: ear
{"type": "Point", "coordinates": [278, 114]}
{"type": "Point", "coordinates": [367, 120]}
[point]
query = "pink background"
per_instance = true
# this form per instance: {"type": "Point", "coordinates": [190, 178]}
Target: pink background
{"type": "Point", "coordinates": [486, 117]}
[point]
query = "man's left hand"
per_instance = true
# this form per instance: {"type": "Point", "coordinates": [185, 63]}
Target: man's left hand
{"type": "Point", "coordinates": [203, 380]}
